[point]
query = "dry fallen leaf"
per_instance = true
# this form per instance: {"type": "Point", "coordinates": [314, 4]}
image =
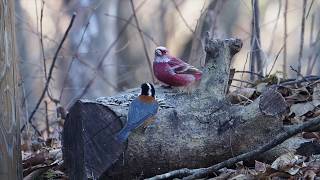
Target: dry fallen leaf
{"type": "Point", "coordinates": [298, 95]}
{"type": "Point", "coordinates": [316, 95]}
{"type": "Point", "coordinates": [242, 94]}
{"type": "Point", "coordinates": [241, 177]}
{"type": "Point", "coordinates": [284, 91]}
{"type": "Point", "coordinates": [260, 166]}
{"type": "Point", "coordinates": [311, 135]}
{"type": "Point", "coordinates": [288, 163]}
{"type": "Point", "coordinates": [301, 109]}
{"type": "Point", "coordinates": [261, 87]}
{"type": "Point", "coordinates": [310, 175]}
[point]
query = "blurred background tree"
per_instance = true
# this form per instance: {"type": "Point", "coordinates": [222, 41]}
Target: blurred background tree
{"type": "Point", "coordinates": [104, 52]}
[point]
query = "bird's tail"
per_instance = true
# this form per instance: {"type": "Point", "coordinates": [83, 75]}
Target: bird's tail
{"type": "Point", "coordinates": [123, 135]}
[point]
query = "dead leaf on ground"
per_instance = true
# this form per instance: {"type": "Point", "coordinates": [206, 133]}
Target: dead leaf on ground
{"type": "Point", "coordinates": [260, 166]}
{"type": "Point", "coordinates": [301, 109]}
{"type": "Point", "coordinates": [316, 95]}
{"type": "Point", "coordinates": [289, 163]}
{"type": "Point", "coordinates": [261, 87]}
{"type": "Point", "coordinates": [241, 177]}
{"type": "Point", "coordinates": [284, 91]}
{"type": "Point", "coordinates": [298, 95]}
{"type": "Point", "coordinates": [239, 95]}
{"type": "Point", "coordinates": [35, 159]}
{"type": "Point", "coordinates": [311, 135]}
{"type": "Point", "coordinates": [309, 174]}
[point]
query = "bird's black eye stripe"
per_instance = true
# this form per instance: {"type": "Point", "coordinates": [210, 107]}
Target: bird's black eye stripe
{"type": "Point", "coordinates": [147, 89]}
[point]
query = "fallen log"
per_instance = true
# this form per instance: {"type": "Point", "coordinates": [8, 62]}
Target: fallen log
{"type": "Point", "coordinates": [191, 130]}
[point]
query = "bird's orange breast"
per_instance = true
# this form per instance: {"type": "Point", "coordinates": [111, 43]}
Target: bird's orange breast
{"type": "Point", "coordinates": [146, 99]}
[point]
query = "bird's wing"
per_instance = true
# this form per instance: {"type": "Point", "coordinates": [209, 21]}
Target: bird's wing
{"type": "Point", "coordinates": [181, 67]}
{"type": "Point", "coordinates": [140, 112]}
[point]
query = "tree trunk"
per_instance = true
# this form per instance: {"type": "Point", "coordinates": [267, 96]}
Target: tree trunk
{"type": "Point", "coordinates": [10, 155]}
{"type": "Point", "coordinates": [191, 131]}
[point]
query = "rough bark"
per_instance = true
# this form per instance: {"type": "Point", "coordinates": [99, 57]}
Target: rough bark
{"type": "Point", "coordinates": [10, 157]}
{"type": "Point", "coordinates": [191, 131]}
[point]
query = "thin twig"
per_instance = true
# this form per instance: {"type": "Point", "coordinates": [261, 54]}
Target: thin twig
{"type": "Point", "coordinates": [311, 45]}
{"type": "Point", "coordinates": [249, 72]}
{"type": "Point", "coordinates": [126, 20]}
{"type": "Point", "coordinates": [299, 74]}
{"type": "Point", "coordinates": [47, 119]}
{"type": "Point", "coordinates": [284, 67]}
{"type": "Point", "coordinates": [142, 39]}
{"type": "Point", "coordinates": [296, 81]}
{"type": "Point", "coordinates": [314, 62]}
{"type": "Point", "coordinates": [275, 59]}
{"type": "Point", "coordinates": [309, 9]}
{"type": "Point", "coordinates": [239, 80]}
{"type": "Point", "coordinates": [181, 16]}
{"type": "Point", "coordinates": [203, 172]}
{"type": "Point", "coordinates": [197, 53]}
{"type": "Point", "coordinates": [244, 67]}
{"type": "Point", "coordinates": [50, 73]}
{"type": "Point", "coordinates": [43, 52]}
{"type": "Point", "coordinates": [255, 58]}
{"type": "Point", "coordinates": [41, 41]}
{"type": "Point", "coordinates": [275, 28]}
{"type": "Point", "coordinates": [72, 60]}
{"type": "Point", "coordinates": [301, 37]}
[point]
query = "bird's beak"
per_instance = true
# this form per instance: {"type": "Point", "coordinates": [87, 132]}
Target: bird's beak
{"type": "Point", "coordinates": [158, 52]}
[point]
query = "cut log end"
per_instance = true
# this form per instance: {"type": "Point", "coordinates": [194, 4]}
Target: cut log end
{"type": "Point", "coordinates": [272, 103]}
{"type": "Point", "coordinates": [88, 144]}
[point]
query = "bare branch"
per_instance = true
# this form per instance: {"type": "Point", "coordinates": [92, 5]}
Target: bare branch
{"type": "Point", "coordinates": [126, 20]}
{"type": "Point", "coordinates": [299, 74]}
{"type": "Point", "coordinates": [183, 19]}
{"type": "Point", "coordinates": [47, 119]}
{"type": "Point", "coordinates": [275, 28]}
{"type": "Point", "coordinates": [284, 67]}
{"type": "Point", "coordinates": [301, 37]}
{"type": "Point", "coordinates": [243, 81]}
{"type": "Point", "coordinates": [142, 39]}
{"type": "Point", "coordinates": [41, 41]}
{"type": "Point", "coordinates": [276, 58]}
{"type": "Point", "coordinates": [297, 81]}
{"type": "Point", "coordinates": [244, 67]}
{"type": "Point", "coordinates": [249, 72]}
{"type": "Point", "coordinates": [72, 60]}
{"type": "Point", "coordinates": [255, 57]}
{"type": "Point", "coordinates": [309, 9]}
{"type": "Point", "coordinates": [50, 73]}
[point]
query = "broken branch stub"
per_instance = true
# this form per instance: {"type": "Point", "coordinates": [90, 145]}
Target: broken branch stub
{"type": "Point", "coordinates": [216, 71]}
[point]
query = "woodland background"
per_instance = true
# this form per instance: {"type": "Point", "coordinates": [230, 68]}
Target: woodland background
{"type": "Point", "coordinates": [106, 51]}
{"type": "Point", "coordinates": [103, 55]}
{"type": "Point", "coordinates": [74, 49]}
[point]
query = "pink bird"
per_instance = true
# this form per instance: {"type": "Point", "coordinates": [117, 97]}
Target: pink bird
{"type": "Point", "coordinates": [173, 71]}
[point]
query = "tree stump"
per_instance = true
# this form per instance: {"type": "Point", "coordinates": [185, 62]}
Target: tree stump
{"type": "Point", "coordinates": [191, 130]}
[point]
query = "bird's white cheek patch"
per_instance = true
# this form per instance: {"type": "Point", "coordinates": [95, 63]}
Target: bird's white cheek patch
{"type": "Point", "coordinates": [149, 90]}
